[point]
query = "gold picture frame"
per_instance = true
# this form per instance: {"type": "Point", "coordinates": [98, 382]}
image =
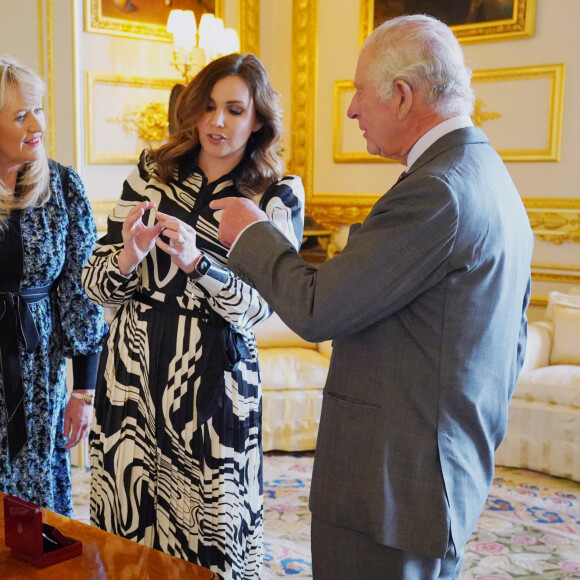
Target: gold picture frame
{"type": "Point", "coordinates": [349, 132]}
{"type": "Point", "coordinates": [541, 87]}
{"type": "Point", "coordinates": [106, 17]}
{"type": "Point", "coordinates": [110, 97]}
{"type": "Point", "coordinates": [518, 24]}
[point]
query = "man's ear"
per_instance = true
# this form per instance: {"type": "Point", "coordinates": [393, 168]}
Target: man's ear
{"type": "Point", "coordinates": [403, 96]}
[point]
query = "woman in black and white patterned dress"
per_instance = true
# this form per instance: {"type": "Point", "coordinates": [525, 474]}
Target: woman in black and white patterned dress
{"type": "Point", "coordinates": [176, 442]}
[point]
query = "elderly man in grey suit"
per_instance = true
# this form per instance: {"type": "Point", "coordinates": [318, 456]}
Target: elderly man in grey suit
{"type": "Point", "coordinates": [427, 309]}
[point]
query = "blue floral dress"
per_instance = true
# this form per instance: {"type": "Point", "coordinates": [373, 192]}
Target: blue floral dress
{"type": "Point", "coordinates": [42, 247]}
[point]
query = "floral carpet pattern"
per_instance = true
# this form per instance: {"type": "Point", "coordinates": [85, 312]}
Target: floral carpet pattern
{"type": "Point", "coordinates": [530, 527]}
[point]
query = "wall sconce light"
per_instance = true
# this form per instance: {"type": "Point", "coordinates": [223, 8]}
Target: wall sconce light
{"type": "Point", "coordinates": [193, 48]}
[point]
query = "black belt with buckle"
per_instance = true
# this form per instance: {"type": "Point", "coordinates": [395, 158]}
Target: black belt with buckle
{"type": "Point", "coordinates": [16, 322]}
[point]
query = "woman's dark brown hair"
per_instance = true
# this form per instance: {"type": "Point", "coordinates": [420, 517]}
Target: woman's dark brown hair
{"type": "Point", "coordinates": [173, 96]}
{"type": "Point", "coordinates": [261, 164]}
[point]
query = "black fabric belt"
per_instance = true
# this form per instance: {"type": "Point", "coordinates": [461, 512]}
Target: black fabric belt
{"type": "Point", "coordinates": [174, 308]}
{"type": "Point", "coordinates": [223, 349]}
{"type": "Point", "coordinates": [16, 322]}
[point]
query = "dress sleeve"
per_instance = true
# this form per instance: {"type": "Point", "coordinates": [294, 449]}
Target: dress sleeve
{"type": "Point", "coordinates": [101, 277]}
{"type": "Point", "coordinates": [82, 320]}
{"type": "Point", "coordinates": [237, 302]}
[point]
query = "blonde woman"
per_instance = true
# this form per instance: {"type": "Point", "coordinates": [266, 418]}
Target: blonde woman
{"type": "Point", "coordinates": [47, 233]}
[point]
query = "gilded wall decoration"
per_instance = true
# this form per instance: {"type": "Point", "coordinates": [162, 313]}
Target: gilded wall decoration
{"type": "Point", "coordinates": [149, 121]}
{"type": "Point", "coordinates": [142, 19]}
{"type": "Point", "coordinates": [533, 133]}
{"type": "Point", "coordinates": [304, 90]}
{"type": "Point", "coordinates": [111, 96]}
{"type": "Point", "coordinates": [555, 220]}
{"type": "Point", "coordinates": [470, 20]}
{"type": "Point", "coordinates": [249, 26]}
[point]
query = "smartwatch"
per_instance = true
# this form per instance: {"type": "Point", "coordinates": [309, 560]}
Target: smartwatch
{"type": "Point", "coordinates": [202, 265]}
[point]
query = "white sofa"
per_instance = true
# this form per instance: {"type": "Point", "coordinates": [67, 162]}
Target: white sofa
{"type": "Point", "coordinates": [544, 417]}
{"type": "Point", "coordinates": [293, 372]}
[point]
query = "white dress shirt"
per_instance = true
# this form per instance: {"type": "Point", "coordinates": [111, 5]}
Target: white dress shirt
{"type": "Point", "coordinates": [436, 133]}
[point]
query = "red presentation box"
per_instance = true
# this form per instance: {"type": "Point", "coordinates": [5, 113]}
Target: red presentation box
{"type": "Point", "coordinates": [32, 540]}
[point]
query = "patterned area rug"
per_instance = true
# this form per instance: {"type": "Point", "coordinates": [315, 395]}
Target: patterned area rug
{"type": "Point", "coordinates": [530, 527]}
{"type": "Point", "coordinates": [287, 518]}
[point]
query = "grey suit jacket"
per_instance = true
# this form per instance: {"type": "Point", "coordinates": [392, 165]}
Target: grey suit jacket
{"type": "Point", "coordinates": [426, 306]}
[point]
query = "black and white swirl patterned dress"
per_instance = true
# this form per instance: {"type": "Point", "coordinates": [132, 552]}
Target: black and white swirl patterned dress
{"type": "Point", "coordinates": [176, 461]}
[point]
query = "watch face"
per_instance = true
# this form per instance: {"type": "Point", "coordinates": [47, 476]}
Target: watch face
{"type": "Point", "coordinates": [203, 266]}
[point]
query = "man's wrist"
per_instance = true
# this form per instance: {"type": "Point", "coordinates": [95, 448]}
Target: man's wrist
{"type": "Point", "coordinates": [241, 232]}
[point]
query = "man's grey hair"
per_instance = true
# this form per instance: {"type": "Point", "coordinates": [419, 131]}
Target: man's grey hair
{"type": "Point", "coordinates": [423, 52]}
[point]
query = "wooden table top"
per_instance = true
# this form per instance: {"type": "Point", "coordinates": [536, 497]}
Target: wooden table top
{"type": "Point", "coordinates": [105, 556]}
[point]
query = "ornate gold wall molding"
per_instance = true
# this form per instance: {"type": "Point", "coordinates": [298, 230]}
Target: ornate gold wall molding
{"type": "Point", "coordinates": [552, 76]}
{"type": "Point", "coordinates": [539, 301]}
{"type": "Point", "coordinates": [556, 274]}
{"type": "Point", "coordinates": [47, 67]}
{"type": "Point", "coordinates": [304, 90]}
{"type": "Point", "coordinates": [96, 21]}
{"type": "Point", "coordinates": [555, 220]}
{"type": "Point", "coordinates": [128, 90]}
{"type": "Point", "coordinates": [333, 211]}
{"type": "Point", "coordinates": [552, 99]}
{"type": "Point", "coordinates": [520, 25]}
{"type": "Point", "coordinates": [249, 26]}
{"type": "Point", "coordinates": [51, 77]}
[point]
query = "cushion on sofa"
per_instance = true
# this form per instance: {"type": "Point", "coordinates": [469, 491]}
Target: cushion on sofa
{"type": "Point", "coordinates": [570, 299]}
{"type": "Point", "coordinates": [538, 345]}
{"type": "Point", "coordinates": [566, 343]}
{"type": "Point", "coordinates": [272, 332]}
{"type": "Point", "coordinates": [292, 368]}
{"type": "Point", "coordinates": [558, 384]}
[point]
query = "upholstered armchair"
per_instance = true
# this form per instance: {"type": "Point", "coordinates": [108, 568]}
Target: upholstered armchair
{"type": "Point", "coordinates": [544, 416]}
{"type": "Point", "coordinates": [293, 372]}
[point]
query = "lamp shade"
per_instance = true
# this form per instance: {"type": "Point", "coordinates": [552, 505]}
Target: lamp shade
{"type": "Point", "coordinates": [230, 41]}
{"type": "Point", "coordinates": [181, 23]}
{"type": "Point", "coordinates": [206, 30]}
{"type": "Point", "coordinates": [211, 33]}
